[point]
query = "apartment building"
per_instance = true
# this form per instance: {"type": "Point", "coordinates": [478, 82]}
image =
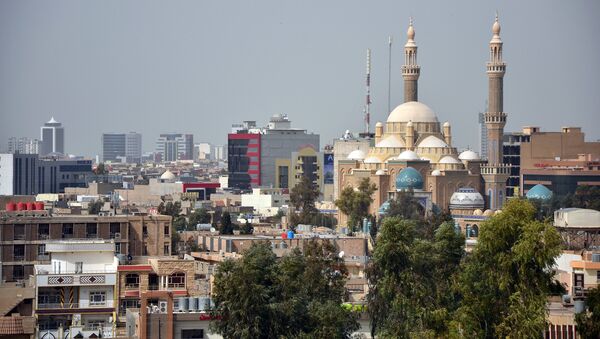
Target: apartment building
{"type": "Point", "coordinates": [24, 236]}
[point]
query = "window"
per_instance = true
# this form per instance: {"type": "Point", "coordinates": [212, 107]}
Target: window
{"type": "Point", "coordinates": [67, 231]}
{"type": "Point", "coordinates": [166, 250]}
{"type": "Point", "coordinates": [192, 334]}
{"type": "Point", "coordinates": [91, 230]}
{"type": "Point", "coordinates": [78, 267]}
{"type": "Point", "coordinates": [176, 280]}
{"type": "Point", "coordinates": [97, 298]}
{"type": "Point", "coordinates": [115, 228]}
{"type": "Point", "coordinates": [145, 251]}
{"type": "Point", "coordinates": [145, 231]}
{"type": "Point", "coordinates": [42, 249]}
{"type": "Point", "coordinates": [167, 230]}
{"type": "Point", "coordinates": [43, 231]}
{"type": "Point", "coordinates": [128, 303]}
{"type": "Point", "coordinates": [19, 232]}
{"type": "Point", "coordinates": [18, 272]}
{"type": "Point", "coordinates": [132, 280]}
{"type": "Point", "coordinates": [94, 324]}
{"type": "Point", "coordinates": [118, 248]}
{"type": "Point", "coordinates": [598, 275]}
{"type": "Point", "coordinates": [19, 252]}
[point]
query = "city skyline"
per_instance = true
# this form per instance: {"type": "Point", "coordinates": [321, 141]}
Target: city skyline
{"type": "Point", "coordinates": [198, 68]}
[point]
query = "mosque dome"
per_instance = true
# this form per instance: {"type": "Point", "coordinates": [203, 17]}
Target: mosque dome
{"type": "Point", "coordinates": [356, 155]}
{"type": "Point", "coordinates": [372, 160]}
{"type": "Point", "coordinates": [380, 172]}
{"type": "Point", "coordinates": [448, 160]}
{"type": "Point", "coordinates": [409, 178]}
{"type": "Point", "coordinates": [478, 212]}
{"type": "Point", "coordinates": [379, 124]}
{"type": "Point", "coordinates": [391, 141]}
{"type": "Point", "coordinates": [436, 173]}
{"type": "Point", "coordinates": [466, 197]}
{"type": "Point", "coordinates": [412, 111]}
{"type": "Point", "coordinates": [408, 155]}
{"type": "Point", "coordinates": [539, 191]}
{"type": "Point", "coordinates": [468, 155]}
{"type": "Point", "coordinates": [488, 213]}
{"type": "Point", "coordinates": [167, 176]}
{"type": "Point", "coordinates": [432, 142]}
{"type": "Point", "coordinates": [447, 124]}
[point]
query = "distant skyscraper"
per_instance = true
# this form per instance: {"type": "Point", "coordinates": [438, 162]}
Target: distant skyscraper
{"type": "Point", "coordinates": [23, 145]}
{"type": "Point", "coordinates": [174, 146]}
{"type": "Point", "coordinates": [121, 145]}
{"type": "Point", "coordinates": [53, 138]}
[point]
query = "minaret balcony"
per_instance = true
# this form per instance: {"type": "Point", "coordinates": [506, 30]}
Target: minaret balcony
{"type": "Point", "coordinates": [501, 169]}
{"type": "Point", "coordinates": [494, 118]}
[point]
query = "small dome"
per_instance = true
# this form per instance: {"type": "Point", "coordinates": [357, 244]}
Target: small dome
{"type": "Point", "coordinates": [466, 197]}
{"type": "Point", "coordinates": [539, 191]}
{"type": "Point", "coordinates": [390, 141]}
{"type": "Point", "coordinates": [408, 155]}
{"type": "Point", "coordinates": [410, 33]}
{"type": "Point", "coordinates": [436, 173]}
{"type": "Point", "coordinates": [412, 111]}
{"type": "Point", "coordinates": [447, 124]}
{"type": "Point", "coordinates": [496, 26]}
{"type": "Point", "coordinates": [469, 155]}
{"type": "Point", "coordinates": [449, 160]}
{"type": "Point", "coordinates": [409, 178]}
{"type": "Point", "coordinates": [168, 175]}
{"type": "Point", "coordinates": [477, 212]}
{"type": "Point", "coordinates": [432, 142]}
{"type": "Point", "coordinates": [380, 172]}
{"type": "Point", "coordinates": [409, 124]}
{"type": "Point", "coordinates": [356, 155]}
{"type": "Point", "coordinates": [488, 213]}
{"type": "Point", "coordinates": [372, 160]}
{"type": "Point", "coordinates": [379, 124]}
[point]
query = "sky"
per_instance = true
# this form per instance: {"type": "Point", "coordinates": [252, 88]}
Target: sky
{"type": "Point", "coordinates": [199, 66]}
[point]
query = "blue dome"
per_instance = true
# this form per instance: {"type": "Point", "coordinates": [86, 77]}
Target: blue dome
{"type": "Point", "coordinates": [539, 192]}
{"type": "Point", "coordinates": [409, 178]}
{"type": "Point", "coordinates": [384, 208]}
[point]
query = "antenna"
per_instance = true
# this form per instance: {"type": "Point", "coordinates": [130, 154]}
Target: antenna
{"type": "Point", "coordinates": [389, 72]}
{"type": "Point", "coordinates": [368, 98]}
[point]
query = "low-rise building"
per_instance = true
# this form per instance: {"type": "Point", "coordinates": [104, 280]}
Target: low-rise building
{"type": "Point", "coordinates": [266, 201]}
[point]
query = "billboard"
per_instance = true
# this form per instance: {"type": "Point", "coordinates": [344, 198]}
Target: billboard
{"type": "Point", "coordinates": [328, 169]}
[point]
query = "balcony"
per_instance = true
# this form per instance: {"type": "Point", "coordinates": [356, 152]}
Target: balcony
{"type": "Point", "coordinates": [86, 278]}
{"type": "Point", "coordinates": [81, 245]}
{"type": "Point", "coordinates": [83, 304]}
{"type": "Point", "coordinates": [43, 257]}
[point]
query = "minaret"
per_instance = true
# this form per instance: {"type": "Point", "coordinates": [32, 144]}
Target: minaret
{"type": "Point", "coordinates": [410, 70]}
{"type": "Point", "coordinates": [495, 173]}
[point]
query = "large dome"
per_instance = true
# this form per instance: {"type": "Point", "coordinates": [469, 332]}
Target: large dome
{"type": "Point", "coordinates": [412, 111]}
{"type": "Point", "coordinates": [356, 155]}
{"type": "Point", "coordinates": [539, 191]}
{"type": "Point", "coordinates": [466, 198]}
{"type": "Point", "coordinates": [409, 178]}
{"type": "Point", "coordinates": [168, 176]}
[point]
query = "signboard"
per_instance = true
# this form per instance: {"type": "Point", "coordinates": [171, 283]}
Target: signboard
{"type": "Point", "coordinates": [328, 172]}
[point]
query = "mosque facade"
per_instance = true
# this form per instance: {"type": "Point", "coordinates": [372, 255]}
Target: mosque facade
{"type": "Point", "coordinates": [413, 150]}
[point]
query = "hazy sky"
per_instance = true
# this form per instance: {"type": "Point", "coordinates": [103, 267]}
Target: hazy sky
{"type": "Point", "coordinates": [199, 66]}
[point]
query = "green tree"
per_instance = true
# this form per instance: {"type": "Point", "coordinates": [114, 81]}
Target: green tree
{"type": "Point", "coordinates": [588, 322]}
{"type": "Point", "coordinates": [95, 207]}
{"type": "Point", "coordinates": [299, 296]}
{"type": "Point", "coordinates": [410, 280]}
{"type": "Point", "coordinates": [179, 223]}
{"type": "Point", "coordinates": [247, 228]}
{"type": "Point", "coordinates": [302, 198]}
{"type": "Point", "coordinates": [587, 197]}
{"type": "Point", "coordinates": [199, 216]}
{"type": "Point", "coordinates": [405, 206]}
{"type": "Point", "coordinates": [506, 280]}
{"type": "Point", "coordinates": [100, 169]}
{"type": "Point", "coordinates": [355, 204]}
{"type": "Point", "coordinates": [226, 226]}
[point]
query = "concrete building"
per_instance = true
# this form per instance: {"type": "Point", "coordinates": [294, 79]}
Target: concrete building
{"type": "Point", "coordinates": [220, 153]}
{"type": "Point", "coordinates": [203, 151]}
{"type": "Point", "coordinates": [53, 138]}
{"type": "Point", "coordinates": [122, 146]}
{"type": "Point", "coordinates": [24, 145]}
{"type": "Point", "coordinates": [24, 234]}
{"type": "Point", "coordinates": [175, 146]}
{"type": "Point", "coordinates": [266, 201]}
{"type": "Point", "coordinates": [342, 148]}
{"type": "Point", "coordinates": [512, 156]}
{"type": "Point", "coordinates": [26, 174]}
{"type": "Point", "coordinates": [76, 292]}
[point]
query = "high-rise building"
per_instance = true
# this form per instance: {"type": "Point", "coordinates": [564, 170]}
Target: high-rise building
{"type": "Point", "coordinates": [495, 173]}
{"type": "Point", "coordinates": [126, 146]}
{"type": "Point", "coordinates": [174, 146]}
{"type": "Point", "coordinates": [512, 156]}
{"type": "Point", "coordinates": [53, 138]}
{"type": "Point", "coordinates": [23, 145]}
{"type": "Point", "coordinates": [220, 153]}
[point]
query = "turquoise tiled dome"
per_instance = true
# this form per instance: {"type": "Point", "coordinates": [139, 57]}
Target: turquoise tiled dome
{"type": "Point", "coordinates": [409, 178]}
{"type": "Point", "coordinates": [539, 191]}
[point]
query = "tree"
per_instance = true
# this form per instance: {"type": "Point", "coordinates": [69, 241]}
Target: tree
{"type": "Point", "coordinates": [179, 223]}
{"type": "Point", "coordinates": [100, 169]}
{"type": "Point", "coordinates": [587, 197]}
{"type": "Point", "coordinates": [95, 207]}
{"type": "Point", "coordinates": [506, 280]}
{"type": "Point", "coordinates": [588, 322]}
{"type": "Point", "coordinates": [226, 225]}
{"type": "Point", "coordinates": [410, 280]}
{"type": "Point", "coordinates": [199, 216]}
{"type": "Point", "coordinates": [299, 296]}
{"type": "Point", "coordinates": [247, 228]}
{"type": "Point", "coordinates": [355, 204]}
{"type": "Point", "coordinates": [405, 206]}
{"type": "Point", "coordinates": [302, 198]}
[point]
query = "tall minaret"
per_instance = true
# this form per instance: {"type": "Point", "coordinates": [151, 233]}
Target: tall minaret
{"type": "Point", "coordinates": [410, 70]}
{"type": "Point", "coordinates": [495, 173]}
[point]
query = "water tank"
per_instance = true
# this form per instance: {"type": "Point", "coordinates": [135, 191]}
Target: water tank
{"type": "Point", "coordinates": [183, 304]}
{"type": "Point", "coordinates": [39, 206]}
{"type": "Point", "coordinates": [193, 304]}
{"type": "Point", "coordinates": [21, 206]}
{"type": "Point", "coordinates": [11, 206]}
{"type": "Point", "coordinates": [290, 234]}
{"type": "Point", "coordinates": [29, 205]}
{"type": "Point", "coordinates": [203, 303]}
{"type": "Point", "coordinates": [579, 306]}
{"type": "Point", "coordinates": [122, 259]}
{"type": "Point", "coordinates": [283, 235]}
{"type": "Point", "coordinates": [595, 257]}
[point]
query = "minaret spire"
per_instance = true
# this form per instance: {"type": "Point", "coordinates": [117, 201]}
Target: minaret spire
{"type": "Point", "coordinates": [410, 70]}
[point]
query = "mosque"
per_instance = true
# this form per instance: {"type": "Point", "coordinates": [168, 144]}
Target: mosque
{"type": "Point", "coordinates": [413, 151]}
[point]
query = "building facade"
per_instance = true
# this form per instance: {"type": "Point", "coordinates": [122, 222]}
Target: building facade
{"type": "Point", "coordinates": [117, 147]}
{"type": "Point", "coordinates": [24, 145]}
{"type": "Point", "coordinates": [175, 146]}
{"type": "Point", "coordinates": [53, 138]}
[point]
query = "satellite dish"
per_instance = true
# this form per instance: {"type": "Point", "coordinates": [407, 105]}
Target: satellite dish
{"type": "Point", "coordinates": [341, 254]}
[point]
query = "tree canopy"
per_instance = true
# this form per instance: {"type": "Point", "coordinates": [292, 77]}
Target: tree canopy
{"type": "Point", "coordinates": [588, 322]}
{"type": "Point", "coordinates": [226, 226]}
{"type": "Point", "coordinates": [302, 198]}
{"type": "Point", "coordinates": [199, 216]}
{"type": "Point", "coordinates": [298, 296]}
{"type": "Point", "coordinates": [355, 203]}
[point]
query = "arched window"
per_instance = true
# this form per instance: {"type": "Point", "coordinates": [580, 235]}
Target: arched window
{"type": "Point", "coordinates": [176, 280]}
{"type": "Point", "coordinates": [475, 231]}
{"type": "Point", "coordinates": [132, 280]}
